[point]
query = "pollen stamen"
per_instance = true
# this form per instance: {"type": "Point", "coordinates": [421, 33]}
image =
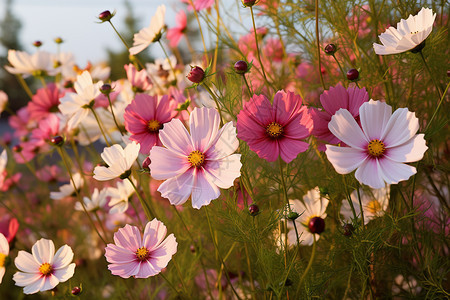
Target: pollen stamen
{"type": "Point", "coordinates": [274, 130]}
{"type": "Point", "coordinates": [46, 269]}
{"type": "Point", "coordinates": [153, 126]}
{"type": "Point", "coordinates": [374, 207]}
{"type": "Point", "coordinates": [196, 158]}
{"type": "Point", "coordinates": [376, 148]}
{"type": "Point", "coordinates": [142, 253]}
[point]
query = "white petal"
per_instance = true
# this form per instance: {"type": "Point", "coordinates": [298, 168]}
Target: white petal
{"type": "Point", "coordinates": [401, 127]}
{"type": "Point", "coordinates": [178, 189]}
{"type": "Point", "coordinates": [65, 273]}
{"type": "Point", "coordinates": [26, 262]}
{"type": "Point", "coordinates": [374, 116]}
{"type": "Point", "coordinates": [345, 128]}
{"type": "Point", "coordinates": [369, 173]}
{"type": "Point", "coordinates": [62, 258]}
{"type": "Point", "coordinates": [166, 163]}
{"type": "Point", "coordinates": [175, 137]}
{"type": "Point", "coordinates": [204, 125]}
{"type": "Point", "coordinates": [411, 151]}
{"type": "Point", "coordinates": [223, 172]}
{"type": "Point", "coordinates": [204, 190]}
{"type": "Point", "coordinates": [43, 251]}
{"type": "Point", "coordinates": [394, 172]}
{"type": "Point", "coordinates": [345, 159]}
{"type": "Point", "coordinates": [225, 144]}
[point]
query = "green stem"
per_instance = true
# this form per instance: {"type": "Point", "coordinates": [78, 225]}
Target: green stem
{"type": "Point", "coordinates": [283, 183]}
{"type": "Point", "coordinates": [437, 108]}
{"type": "Point", "coordinates": [361, 209]}
{"type": "Point", "coordinates": [120, 36]}
{"type": "Point", "coordinates": [200, 29]}
{"type": "Point", "coordinates": [257, 46]}
{"type": "Point", "coordinates": [215, 100]}
{"type": "Point", "coordinates": [148, 212]}
{"type": "Point", "coordinates": [167, 56]}
{"type": "Point", "coordinates": [24, 85]}
{"type": "Point", "coordinates": [100, 126]}
{"type": "Point", "coordinates": [340, 68]}
{"type": "Point", "coordinates": [318, 44]}
{"type": "Point", "coordinates": [250, 92]}
{"type": "Point", "coordinates": [438, 88]}
{"type": "Point", "coordinates": [308, 267]}
{"type": "Point", "coordinates": [113, 115]}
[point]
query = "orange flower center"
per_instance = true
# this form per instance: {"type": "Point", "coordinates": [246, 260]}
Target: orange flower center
{"type": "Point", "coordinates": [142, 253]}
{"type": "Point", "coordinates": [196, 158]}
{"type": "Point", "coordinates": [376, 148]}
{"type": "Point", "coordinates": [274, 130]}
{"type": "Point", "coordinates": [374, 207]}
{"type": "Point", "coordinates": [2, 259]}
{"type": "Point", "coordinates": [153, 125]}
{"type": "Point", "coordinates": [46, 269]}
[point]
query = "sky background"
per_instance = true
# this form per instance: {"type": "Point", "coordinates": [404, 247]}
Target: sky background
{"type": "Point", "coordinates": [75, 22]}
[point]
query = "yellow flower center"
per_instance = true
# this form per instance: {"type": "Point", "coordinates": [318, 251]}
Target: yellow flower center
{"type": "Point", "coordinates": [196, 158]}
{"type": "Point", "coordinates": [274, 130]}
{"type": "Point", "coordinates": [153, 125]}
{"type": "Point", "coordinates": [142, 253]}
{"type": "Point", "coordinates": [2, 259]}
{"type": "Point", "coordinates": [374, 207]}
{"type": "Point", "coordinates": [46, 269]}
{"type": "Point", "coordinates": [414, 32]}
{"type": "Point", "coordinates": [376, 148]}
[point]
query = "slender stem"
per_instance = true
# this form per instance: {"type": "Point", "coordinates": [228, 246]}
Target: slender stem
{"type": "Point", "coordinates": [120, 36]}
{"type": "Point", "coordinates": [250, 92]}
{"type": "Point", "coordinates": [257, 45]}
{"type": "Point", "coordinates": [308, 267]}
{"type": "Point", "coordinates": [283, 183]}
{"type": "Point", "coordinates": [24, 85]}
{"type": "Point", "coordinates": [100, 126]}
{"type": "Point", "coordinates": [167, 56]}
{"type": "Point", "coordinates": [200, 28]}
{"type": "Point", "coordinates": [44, 84]}
{"type": "Point", "coordinates": [340, 68]}
{"type": "Point", "coordinates": [144, 204]}
{"type": "Point", "coordinates": [113, 115]}
{"type": "Point", "coordinates": [179, 275]}
{"type": "Point", "coordinates": [215, 100]}
{"type": "Point", "coordinates": [318, 45]}
{"type": "Point", "coordinates": [437, 108]}
{"type": "Point", "coordinates": [169, 283]}
{"type": "Point", "coordinates": [349, 198]}
{"type": "Point", "coordinates": [249, 271]}
{"type": "Point", "coordinates": [216, 50]}
{"type": "Point", "coordinates": [361, 209]}
{"type": "Point", "coordinates": [438, 88]}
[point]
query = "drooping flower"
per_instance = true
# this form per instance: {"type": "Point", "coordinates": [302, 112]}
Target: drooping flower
{"type": "Point", "coordinates": [44, 102]}
{"type": "Point", "coordinates": [119, 196]}
{"type": "Point", "coordinates": [374, 203]}
{"type": "Point", "coordinates": [332, 100]}
{"type": "Point", "coordinates": [39, 63]}
{"type": "Point", "coordinates": [196, 164]}
{"type": "Point", "coordinates": [311, 218]}
{"type": "Point", "coordinates": [76, 106]}
{"type": "Point", "coordinates": [140, 257]}
{"type": "Point", "coordinates": [68, 189]}
{"type": "Point", "coordinates": [408, 35]}
{"type": "Point", "coordinates": [43, 269]}
{"type": "Point", "coordinates": [4, 252]}
{"type": "Point", "coordinates": [149, 34]}
{"type": "Point", "coordinates": [275, 130]}
{"type": "Point", "coordinates": [97, 201]}
{"type": "Point", "coordinates": [380, 148]}
{"type": "Point", "coordinates": [144, 118]}
{"type": "Point", "coordinates": [174, 34]}
{"type": "Point", "coordinates": [119, 161]}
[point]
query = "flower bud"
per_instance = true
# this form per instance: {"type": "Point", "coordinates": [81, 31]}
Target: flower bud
{"type": "Point", "coordinates": [330, 49]}
{"type": "Point", "coordinates": [348, 229]}
{"type": "Point", "coordinates": [58, 40]}
{"type": "Point", "coordinates": [17, 148]}
{"type": "Point", "coordinates": [76, 291]}
{"type": "Point", "coordinates": [146, 163]}
{"type": "Point", "coordinates": [316, 225]}
{"type": "Point", "coordinates": [196, 75]}
{"type": "Point", "coordinates": [37, 44]}
{"type": "Point", "coordinates": [192, 248]}
{"type": "Point", "coordinates": [106, 89]}
{"type": "Point", "coordinates": [241, 67]}
{"type": "Point", "coordinates": [105, 16]}
{"type": "Point", "coordinates": [352, 74]}
{"type": "Point", "coordinates": [57, 140]}
{"type": "Point", "coordinates": [448, 73]}
{"type": "Point", "coordinates": [293, 216]}
{"type": "Point", "coordinates": [253, 209]}
{"type": "Point", "coordinates": [248, 3]}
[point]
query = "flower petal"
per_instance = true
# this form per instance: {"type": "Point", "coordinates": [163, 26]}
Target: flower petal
{"type": "Point", "coordinates": [223, 172]}
{"type": "Point", "coordinates": [166, 163]}
{"type": "Point", "coordinates": [369, 173]}
{"type": "Point", "coordinates": [401, 127]}
{"type": "Point", "coordinates": [43, 251]}
{"type": "Point", "coordinates": [393, 172]}
{"type": "Point", "coordinates": [374, 116]}
{"type": "Point", "coordinates": [345, 128]}
{"type": "Point", "coordinates": [204, 190]}
{"type": "Point", "coordinates": [62, 258]}
{"type": "Point", "coordinates": [411, 151]}
{"type": "Point", "coordinates": [176, 138]}
{"type": "Point", "coordinates": [204, 125]}
{"type": "Point", "coordinates": [128, 237]}
{"type": "Point", "coordinates": [178, 189]}
{"type": "Point", "coordinates": [345, 159]}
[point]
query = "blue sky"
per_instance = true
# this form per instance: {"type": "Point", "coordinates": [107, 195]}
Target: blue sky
{"type": "Point", "coordinates": [75, 22]}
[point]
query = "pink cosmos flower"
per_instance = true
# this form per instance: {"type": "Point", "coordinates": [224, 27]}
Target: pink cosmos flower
{"type": "Point", "coordinates": [145, 116]}
{"type": "Point", "coordinates": [199, 4]}
{"type": "Point", "coordinates": [44, 102]}
{"type": "Point", "coordinates": [9, 227]}
{"type": "Point", "coordinates": [380, 148]}
{"type": "Point", "coordinates": [138, 79]}
{"type": "Point", "coordinates": [196, 164]}
{"type": "Point", "coordinates": [22, 122]}
{"type": "Point", "coordinates": [174, 34]}
{"type": "Point", "coordinates": [43, 269]}
{"type": "Point", "coordinates": [140, 257]}
{"type": "Point", "coordinates": [46, 130]}
{"type": "Point", "coordinates": [332, 100]}
{"type": "Point", "coordinates": [275, 130]}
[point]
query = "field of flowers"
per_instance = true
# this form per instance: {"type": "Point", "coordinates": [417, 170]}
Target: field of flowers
{"type": "Point", "coordinates": [290, 150]}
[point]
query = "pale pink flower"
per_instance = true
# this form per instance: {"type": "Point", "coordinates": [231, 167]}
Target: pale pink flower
{"type": "Point", "coordinates": [196, 164]}
{"type": "Point", "coordinates": [44, 102]}
{"type": "Point", "coordinates": [46, 130]}
{"type": "Point", "coordinates": [380, 148]}
{"type": "Point", "coordinates": [138, 79]}
{"type": "Point", "coordinates": [174, 34]}
{"type": "Point", "coordinates": [275, 130]}
{"type": "Point", "coordinates": [4, 252]}
{"type": "Point", "coordinates": [145, 116]}
{"type": "Point", "coordinates": [332, 100]}
{"type": "Point", "coordinates": [140, 257]}
{"type": "Point", "coordinates": [39, 63]}
{"type": "Point", "coordinates": [43, 269]}
{"type": "Point", "coordinates": [149, 34]}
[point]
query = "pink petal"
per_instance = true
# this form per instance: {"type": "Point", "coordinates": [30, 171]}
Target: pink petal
{"type": "Point", "coordinates": [128, 237]}
{"type": "Point", "coordinates": [146, 269]}
{"type": "Point", "coordinates": [394, 172]}
{"type": "Point", "coordinates": [178, 189]}
{"type": "Point", "coordinates": [286, 105]}
{"type": "Point", "coordinates": [166, 163]}
{"type": "Point", "coordinates": [163, 254]}
{"type": "Point", "coordinates": [154, 233]}
{"type": "Point", "coordinates": [401, 127]}
{"type": "Point", "coordinates": [49, 283]}
{"type": "Point", "coordinates": [345, 128]}
{"type": "Point", "coordinates": [334, 99]}
{"type": "Point", "coordinates": [204, 190]}
{"type": "Point", "coordinates": [300, 126]}
{"type": "Point", "coordinates": [356, 98]}
{"type": "Point", "coordinates": [370, 174]}
{"type": "Point", "coordinates": [374, 116]}
{"type": "Point", "coordinates": [345, 159]}
{"type": "Point", "coordinates": [267, 149]}
{"type": "Point", "coordinates": [119, 255]}
{"type": "Point", "coordinates": [176, 138]}
{"type": "Point", "coordinates": [411, 151]}
{"type": "Point", "coordinates": [124, 270]}
{"type": "Point", "coordinates": [259, 109]}
{"type": "Point", "coordinates": [204, 125]}
{"type": "Point", "coordinates": [290, 148]}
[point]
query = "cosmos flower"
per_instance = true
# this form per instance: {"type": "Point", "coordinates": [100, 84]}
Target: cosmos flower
{"type": "Point", "coordinates": [138, 79]}
{"type": "Point", "coordinates": [144, 118]}
{"type": "Point", "coordinates": [8, 227]}
{"type": "Point", "coordinates": [332, 100]}
{"type": "Point", "coordinates": [409, 34]}
{"type": "Point", "coordinates": [311, 220]}
{"type": "Point", "coordinates": [43, 269]}
{"type": "Point", "coordinates": [150, 34]}
{"type": "Point", "coordinates": [275, 130]}
{"type": "Point", "coordinates": [380, 148]}
{"type": "Point", "coordinates": [4, 252]}
{"type": "Point", "coordinates": [196, 164]}
{"type": "Point", "coordinates": [140, 257]}
{"type": "Point", "coordinates": [374, 203]}
{"type": "Point", "coordinates": [174, 34]}
{"type": "Point", "coordinates": [97, 201]}
{"type": "Point", "coordinates": [119, 161]}
{"type": "Point", "coordinates": [38, 64]}
{"type": "Point", "coordinates": [44, 102]}
{"type": "Point", "coordinates": [119, 196]}
{"type": "Point", "coordinates": [68, 189]}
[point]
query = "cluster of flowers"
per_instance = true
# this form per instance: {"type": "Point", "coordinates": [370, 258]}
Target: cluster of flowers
{"type": "Point", "coordinates": [148, 119]}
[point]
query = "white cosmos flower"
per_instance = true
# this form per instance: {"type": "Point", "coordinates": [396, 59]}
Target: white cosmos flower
{"type": "Point", "coordinates": [313, 206]}
{"type": "Point", "coordinates": [67, 190]}
{"type": "Point", "coordinates": [374, 203]}
{"type": "Point", "coordinates": [43, 269]}
{"type": "Point", "coordinates": [380, 148]}
{"type": "Point", "coordinates": [97, 201]}
{"type": "Point", "coordinates": [75, 106]}
{"type": "Point", "coordinates": [4, 252]}
{"type": "Point", "coordinates": [38, 64]}
{"type": "Point", "coordinates": [119, 161]}
{"type": "Point", "coordinates": [119, 196]}
{"type": "Point", "coordinates": [408, 34]}
{"type": "Point", "coordinates": [150, 34]}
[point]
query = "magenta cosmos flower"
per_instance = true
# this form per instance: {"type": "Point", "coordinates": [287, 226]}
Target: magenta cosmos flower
{"type": "Point", "coordinates": [332, 100]}
{"type": "Point", "coordinates": [275, 130]}
{"type": "Point", "coordinates": [380, 148]}
{"type": "Point", "coordinates": [44, 102]}
{"type": "Point", "coordinates": [132, 255]}
{"type": "Point", "coordinates": [43, 269]}
{"type": "Point", "coordinates": [145, 116]}
{"type": "Point", "coordinates": [196, 164]}
{"type": "Point", "coordinates": [174, 34]}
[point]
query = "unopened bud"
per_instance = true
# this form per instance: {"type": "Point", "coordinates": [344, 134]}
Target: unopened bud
{"type": "Point", "coordinates": [316, 225]}
{"type": "Point", "coordinates": [196, 75]}
{"type": "Point", "coordinates": [241, 67]}
{"type": "Point", "coordinates": [352, 74]}
{"type": "Point", "coordinates": [37, 44]}
{"type": "Point", "coordinates": [253, 209]}
{"type": "Point", "coordinates": [57, 140]}
{"type": "Point", "coordinates": [76, 291]}
{"type": "Point", "coordinates": [330, 49]}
